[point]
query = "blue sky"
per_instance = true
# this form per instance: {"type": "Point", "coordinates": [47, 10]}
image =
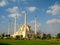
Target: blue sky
{"type": "Point", "coordinates": [47, 14]}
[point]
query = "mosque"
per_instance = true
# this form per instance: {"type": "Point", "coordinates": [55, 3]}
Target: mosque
{"type": "Point", "coordinates": [25, 30]}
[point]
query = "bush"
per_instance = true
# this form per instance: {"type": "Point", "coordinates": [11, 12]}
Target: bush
{"type": "Point", "coordinates": [17, 37]}
{"type": "Point", "coordinates": [58, 35]}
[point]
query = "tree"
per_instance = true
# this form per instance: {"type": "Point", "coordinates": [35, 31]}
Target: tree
{"type": "Point", "coordinates": [58, 35]}
{"type": "Point", "coordinates": [49, 36]}
{"type": "Point", "coordinates": [17, 37]}
{"type": "Point", "coordinates": [21, 36]}
{"type": "Point", "coordinates": [8, 36]}
{"type": "Point", "coordinates": [2, 35]}
{"type": "Point", "coordinates": [38, 35]}
{"type": "Point", "coordinates": [44, 36]}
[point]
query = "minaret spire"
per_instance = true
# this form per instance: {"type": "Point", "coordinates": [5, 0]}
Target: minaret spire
{"type": "Point", "coordinates": [35, 26]}
{"type": "Point", "coordinates": [25, 22]}
{"type": "Point", "coordinates": [15, 24]}
{"type": "Point", "coordinates": [9, 27]}
{"type": "Point", "coordinates": [24, 13]}
{"type": "Point", "coordinates": [25, 18]}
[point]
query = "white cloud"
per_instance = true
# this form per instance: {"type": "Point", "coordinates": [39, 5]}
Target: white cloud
{"type": "Point", "coordinates": [53, 21]}
{"type": "Point", "coordinates": [32, 9]}
{"type": "Point", "coordinates": [3, 3]}
{"type": "Point", "coordinates": [13, 10]}
{"type": "Point", "coordinates": [53, 26]}
{"type": "Point", "coordinates": [15, 15]}
{"type": "Point", "coordinates": [54, 9]}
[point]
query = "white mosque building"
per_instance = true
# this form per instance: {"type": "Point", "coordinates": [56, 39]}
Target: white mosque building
{"type": "Point", "coordinates": [25, 30]}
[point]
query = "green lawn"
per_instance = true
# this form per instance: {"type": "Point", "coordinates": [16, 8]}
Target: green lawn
{"type": "Point", "coordinates": [28, 42]}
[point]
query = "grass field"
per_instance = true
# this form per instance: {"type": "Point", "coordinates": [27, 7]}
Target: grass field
{"type": "Point", "coordinates": [28, 42]}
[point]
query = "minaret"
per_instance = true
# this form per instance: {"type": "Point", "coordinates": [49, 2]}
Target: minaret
{"type": "Point", "coordinates": [25, 22]}
{"type": "Point", "coordinates": [15, 24]}
{"type": "Point", "coordinates": [35, 27]}
{"type": "Point", "coordinates": [24, 13]}
{"type": "Point", "coordinates": [25, 18]}
{"type": "Point", "coordinates": [9, 27]}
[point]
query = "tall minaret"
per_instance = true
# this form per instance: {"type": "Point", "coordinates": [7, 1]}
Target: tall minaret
{"type": "Point", "coordinates": [15, 24]}
{"type": "Point", "coordinates": [35, 26]}
{"type": "Point", "coordinates": [9, 27]}
{"type": "Point", "coordinates": [24, 13]}
{"type": "Point", "coordinates": [25, 17]}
